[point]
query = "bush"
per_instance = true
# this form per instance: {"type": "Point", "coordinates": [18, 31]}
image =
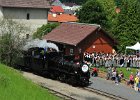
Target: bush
{"type": "Point", "coordinates": [11, 39]}
{"type": "Point", "coordinates": [44, 29]}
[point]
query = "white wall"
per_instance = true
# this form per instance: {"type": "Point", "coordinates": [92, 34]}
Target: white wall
{"type": "Point", "coordinates": [38, 17]}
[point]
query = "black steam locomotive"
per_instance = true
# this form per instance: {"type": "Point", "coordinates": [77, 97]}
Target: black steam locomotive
{"type": "Point", "coordinates": [55, 65]}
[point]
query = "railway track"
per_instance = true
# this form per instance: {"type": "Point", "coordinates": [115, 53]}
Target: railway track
{"type": "Point", "coordinates": [69, 96]}
{"type": "Point", "coordinates": [59, 94]}
{"type": "Point", "coordinates": [111, 96]}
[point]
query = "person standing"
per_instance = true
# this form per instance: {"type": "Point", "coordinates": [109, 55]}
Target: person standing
{"type": "Point", "coordinates": [117, 78]}
{"type": "Point", "coordinates": [94, 72]}
{"type": "Point", "coordinates": [113, 74]}
{"type": "Point", "coordinates": [121, 75]}
{"type": "Point", "coordinates": [136, 83]}
{"type": "Point", "coordinates": [122, 62]}
{"type": "Point", "coordinates": [109, 73]}
{"type": "Point", "coordinates": [128, 64]}
{"type": "Point", "coordinates": [138, 73]}
{"type": "Point", "coordinates": [131, 80]}
{"type": "Point", "coordinates": [139, 86]}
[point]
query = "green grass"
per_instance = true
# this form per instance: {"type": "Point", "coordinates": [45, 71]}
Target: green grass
{"type": "Point", "coordinates": [126, 73]}
{"type": "Point", "coordinates": [13, 86]}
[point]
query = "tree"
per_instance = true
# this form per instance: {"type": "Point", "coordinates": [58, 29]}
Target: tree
{"type": "Point", "coordinates": [109, 7]}
{"type": "Point", "coordinates": [123, 26]}
{"type": "Point", "coordinates": [11, 40]}
{"type": "Point", "coordinates": [92, 12]}
{"type": "Point", "coordinates": [44, 29]}
{"type": "Point", "coordinates": [127, 27]}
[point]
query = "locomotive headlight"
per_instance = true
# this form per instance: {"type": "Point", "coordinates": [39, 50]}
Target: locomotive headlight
{"type": "Point", "coordinates": [85, 68]}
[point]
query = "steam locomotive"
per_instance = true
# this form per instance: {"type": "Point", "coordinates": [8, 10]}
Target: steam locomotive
{"type": "Point", "coordinates": [55, 65]}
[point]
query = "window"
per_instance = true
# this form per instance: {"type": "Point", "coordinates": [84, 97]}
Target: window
{"type": "Point", "coordinates": [28, 16]}
{"type": "Point", "coordinates": [27, 36]}
{"type": "Point", "coordinates": [71, 51]}
{"type": "Point", "coordinates": [80, 50]}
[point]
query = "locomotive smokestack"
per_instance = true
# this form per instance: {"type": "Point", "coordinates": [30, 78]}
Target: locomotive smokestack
{"type": "Point", "coordinates": [53, 46]}
{"type": "Point", "coordinates": [41, 44]}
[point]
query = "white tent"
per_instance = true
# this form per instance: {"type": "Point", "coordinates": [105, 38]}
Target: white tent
{"type": "Point", "coordinates": [134, 47]}
{"type": "Point", "coordinates": [129, 47]}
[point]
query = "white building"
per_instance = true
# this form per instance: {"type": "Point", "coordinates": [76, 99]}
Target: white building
{"type": "Point", "coordinates": [31, 12]}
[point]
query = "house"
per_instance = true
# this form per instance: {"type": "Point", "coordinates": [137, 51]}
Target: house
{"type": "Point", "coordinates": [58, 14]}
{"type": "Point", "coordinates": [31, 12]}
{"type": "Point", "coordinates": [75, 38]}
{"type": "Point", "coordinates": [72, 6]}
{"type": "Point", "coordinates": [68, 11]}
{"type": "Point", "coordinates": [62, 18]}
{"type": "Point", "coordinates": [57, 10]}
{"type": "Point", "coordinates": [69, 8]}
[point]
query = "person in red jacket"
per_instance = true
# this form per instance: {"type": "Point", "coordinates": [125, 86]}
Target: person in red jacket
{"type": "Point", "coordinates": [94, 72]}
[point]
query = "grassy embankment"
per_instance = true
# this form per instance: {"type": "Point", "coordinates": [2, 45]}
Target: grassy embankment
{"type": "Point", "coordinates": [13, 86]}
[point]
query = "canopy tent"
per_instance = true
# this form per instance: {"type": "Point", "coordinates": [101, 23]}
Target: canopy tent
{"type": "Point", "coordinates": [134, 47]}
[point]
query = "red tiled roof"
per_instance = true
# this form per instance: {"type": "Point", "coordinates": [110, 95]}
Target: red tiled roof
{"type": "Point", "coordinates": [62, 18]}
{"type": "Point", "coordinates": [70, 33]}
{"type": "Point", "coordinates": [25, 3]}
{"type": "Point", "coordinates": [57, 9]}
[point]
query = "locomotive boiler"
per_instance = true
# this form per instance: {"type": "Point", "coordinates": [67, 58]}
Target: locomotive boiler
{"type": "Point", "coordinates": [55, 65]}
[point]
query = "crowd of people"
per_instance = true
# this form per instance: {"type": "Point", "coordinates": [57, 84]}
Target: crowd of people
{"type": "Point", "coordinates": [134, 78]}
{"type": "Point", "coordinates": [112, 62]}
{"type": "Point", "coordinates": [114, 75]}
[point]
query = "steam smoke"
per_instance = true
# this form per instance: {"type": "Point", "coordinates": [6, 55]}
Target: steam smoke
{"type": "Point", "coordinates": [41, 44]}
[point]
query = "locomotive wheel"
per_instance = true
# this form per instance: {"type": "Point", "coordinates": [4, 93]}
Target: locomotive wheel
{"type": "Point", "coordinates": [62, 77]}
{"type": "Point", "coordinates": [72, 81]}
{"type": "Point", "coordinates": [52, 76]}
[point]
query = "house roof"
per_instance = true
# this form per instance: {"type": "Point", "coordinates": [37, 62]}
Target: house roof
{"type": "Point", "coordinates": [25, 3]}
{"type": "Point", "coordinates": [68, 11]}
{"type": "Point", "coordinates": [71, 33]}
{"type": "Point", "coordinates": [57, 9]}
{"type": "Point", "coordinates": [69, 4]}
{"type": "Point", "coordinates": [62, 18]}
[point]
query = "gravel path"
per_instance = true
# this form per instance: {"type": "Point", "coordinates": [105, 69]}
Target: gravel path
{"type": "Point", "coordinates": [66, 89]}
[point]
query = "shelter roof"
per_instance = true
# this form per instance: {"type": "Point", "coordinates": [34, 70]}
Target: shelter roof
{"type": "Point", "coordinates": [71, 33]}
